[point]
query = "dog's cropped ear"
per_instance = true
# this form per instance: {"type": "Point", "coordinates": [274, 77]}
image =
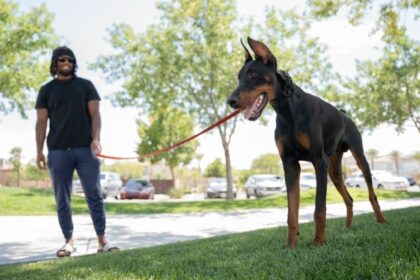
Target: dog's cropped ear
{"type": "Point", "coordinates": [262, 52]}
{"type": "Point", "coordinates": [248, 56]}
{"type": "Point", "coordinates": [286, 81]}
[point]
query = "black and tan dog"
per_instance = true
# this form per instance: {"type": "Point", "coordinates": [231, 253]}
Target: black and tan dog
{"type": "Point", "coordinates": [308, 129]}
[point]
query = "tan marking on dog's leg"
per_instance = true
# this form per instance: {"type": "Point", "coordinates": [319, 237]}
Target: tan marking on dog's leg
{"type": "Point", "coordinates": [364, 167]}
{"type": "Point", "coordinates": [280, 146]}
{"type": "Point", "coordinates": [303, 140]}
{"type": "Point", "coordinates": [334, 170]}
{"type": "Point", "coordinates": [293, 214]}
{"type": "Point", "coordinates": [320, 219]}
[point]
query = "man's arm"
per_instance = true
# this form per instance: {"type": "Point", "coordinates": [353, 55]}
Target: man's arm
{"type": "Point", "coordinates": [40, 132]}
{"type": "Point", "coordinates": [93, 108]}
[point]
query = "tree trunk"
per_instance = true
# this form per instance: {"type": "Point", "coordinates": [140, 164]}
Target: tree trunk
{"type": "Point", "coordinates": [172, 169]}
{"type": "Point", "coordinates": [229, 195]}
{"type": "Point", "coordinates": [18, 178]}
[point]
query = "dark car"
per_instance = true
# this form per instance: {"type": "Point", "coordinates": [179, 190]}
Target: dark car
{"type": "Point", "coordinates": [411, 181]}
{"type": "Point", "coordinates": [137, 188]}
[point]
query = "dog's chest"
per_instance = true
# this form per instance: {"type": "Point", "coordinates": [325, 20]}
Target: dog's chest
{"type": "Point", "coordinates": [291, 143]}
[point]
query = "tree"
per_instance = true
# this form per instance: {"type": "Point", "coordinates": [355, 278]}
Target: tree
{"type": "Point", "coordinates": [416, 156]}
{"type": "Point", "coordinates": [24, 38]}
{"type": "Point", "coordinates": [32, 172]}
{"type": "Point", "coordinates": [168, 126]}
{"type": "Point", "coordinates": [396, 157]}
{"type": "Point", "coordinates": [126, 170]}
{"type": "Point", "coordinates": [386, 90]}
{"type": "Point", "coordinates": [286, 33]}
{"type": "Point", "coordinates": [372, 153]}
{"type": "Point", "coordinates": [267, 164]}
{"type": "Point", "coordinates": [215, 169]}
{"type": "Point", "coordinates": [15, 160]}
{"type": "Point", "coordinates": [190, 60]}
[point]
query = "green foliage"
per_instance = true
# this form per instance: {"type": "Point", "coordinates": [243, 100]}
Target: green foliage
{"type": "Point", "coordinates": [365, 251]}
{"type": "Point", "coordinates": [286, 33]}
{"type": "Point", "coordinates": [357, 9]}
{"type": "Point", "coordinates": [176, 192]}
{"type": "Point", "coordinates": [15, 160]}
{"type": "Point", "coordinates": [386, 90]}
{"type": "Point", "coordinates": [243, 175]}
{"type": "Point", "coordinates": [215, 169]}
{"type": "Point", "coordinates": [126, 170]}
{"type": "Point", "coordinates": [19, 201]}
{"type": "Point", "coordinates": [190, 59]}
{"type": "Point", "coordinates": [24, 38]}
{"type": "Point", "coordinates": [26, 201]}
{"type": "Point", "coordinates": [267, 164]}
{"type": "Point", "coordinates": [167, 127]}
{"type": "Point", "coordinates": [32, 172]}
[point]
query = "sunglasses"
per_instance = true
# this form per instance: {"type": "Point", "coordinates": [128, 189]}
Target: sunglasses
{"type": "Point", "coordinates": [64, 59]}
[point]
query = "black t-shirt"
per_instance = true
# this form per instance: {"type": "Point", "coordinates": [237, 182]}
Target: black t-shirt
{"type": "Point", "coordinates": [66, 102]}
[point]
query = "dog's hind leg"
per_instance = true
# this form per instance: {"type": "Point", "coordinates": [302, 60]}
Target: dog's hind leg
{"type": "Point", "coordinates": [356, 149]}
{"type": "Point", "coordinates": [320, 214]}
{"type": "Point", "coordinates": [334, 170]}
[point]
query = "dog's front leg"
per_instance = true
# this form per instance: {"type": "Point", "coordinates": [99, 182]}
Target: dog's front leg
{"type": "Point", "coordinates": [292, 173]}
{"type": "Point", "coordinates": [320, 214]}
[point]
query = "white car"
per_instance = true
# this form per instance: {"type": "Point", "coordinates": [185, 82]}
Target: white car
{"type": "Point", "coordinates": [307, 180]}
{"type": "Point", "coordinates": [380, 179]}
{"type": "Point", "coordinates": [111, 185]}
{"type": "Point", "coordinates": [263, 185]}
{"type": "Point", "coordinates": [217, 188]}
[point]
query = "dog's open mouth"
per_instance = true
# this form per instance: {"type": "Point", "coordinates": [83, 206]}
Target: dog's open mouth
{"type": "Point", "coordinates": [253, 111]}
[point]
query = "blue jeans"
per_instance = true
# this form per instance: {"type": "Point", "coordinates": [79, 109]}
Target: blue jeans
{"type": "Point", "coordinates": [61, 165]}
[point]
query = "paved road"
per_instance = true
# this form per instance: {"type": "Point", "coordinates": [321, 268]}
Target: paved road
{"type": "Point", "coordinates": [24, 238]}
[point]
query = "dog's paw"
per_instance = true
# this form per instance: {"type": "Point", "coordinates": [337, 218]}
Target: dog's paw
{"type": "Point", "coordinates": [318, 241]}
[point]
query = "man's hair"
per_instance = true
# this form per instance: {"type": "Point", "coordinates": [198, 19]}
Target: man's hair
{"type": "Point", "coordinates": [59, 52]}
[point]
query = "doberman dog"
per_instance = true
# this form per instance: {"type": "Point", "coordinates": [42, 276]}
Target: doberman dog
{"type": "Point", "coordinates": [308, 129]}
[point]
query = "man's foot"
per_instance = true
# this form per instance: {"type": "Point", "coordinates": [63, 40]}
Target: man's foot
{"type": "Point", "coordinates": [66, 250]}
{"type": "Point", "coordinates": [107, 248]}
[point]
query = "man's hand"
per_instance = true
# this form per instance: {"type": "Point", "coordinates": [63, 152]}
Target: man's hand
{"type": "Point", "coordinates": [40, 161]}
{"type": "Point", "coordinates": [95, 146]}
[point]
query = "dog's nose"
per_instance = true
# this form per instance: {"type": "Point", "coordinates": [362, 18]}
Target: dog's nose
{"type": "Point", "coordinates": [233, 102]}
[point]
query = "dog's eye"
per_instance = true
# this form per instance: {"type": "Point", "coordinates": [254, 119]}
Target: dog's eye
{"type": "Point", "coordinates": [252, 75]}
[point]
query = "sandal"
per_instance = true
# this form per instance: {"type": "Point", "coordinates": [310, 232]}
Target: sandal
{"type": "Point", "coordinates": [108, 248]}
{"type": "Point", "coordinates": [65, 251]}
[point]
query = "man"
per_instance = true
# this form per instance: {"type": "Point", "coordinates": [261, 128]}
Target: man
{"type": "Point", "coordinates": [72, 106]}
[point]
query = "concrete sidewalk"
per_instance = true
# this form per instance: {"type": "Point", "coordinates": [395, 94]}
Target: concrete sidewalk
{"type": "Point", "coordinates": [32, 238]}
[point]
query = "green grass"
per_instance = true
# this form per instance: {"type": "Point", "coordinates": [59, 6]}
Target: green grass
{"type": "Point", "coordinates": [366, 251]}
{"type": "Point", "coordinates": [18, 201]}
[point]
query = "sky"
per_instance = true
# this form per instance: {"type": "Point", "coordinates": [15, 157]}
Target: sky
{"type": "Point", "coordinates": [82, 25]}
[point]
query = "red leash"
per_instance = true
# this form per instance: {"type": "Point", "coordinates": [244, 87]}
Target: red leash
{"type": "Point", "coordinates": [154, 153]}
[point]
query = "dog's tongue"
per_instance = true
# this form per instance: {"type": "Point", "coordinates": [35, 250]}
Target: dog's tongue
{"type": "Point", "coordinates": [249, 111]}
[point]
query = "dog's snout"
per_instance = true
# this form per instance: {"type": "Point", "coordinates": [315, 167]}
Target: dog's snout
{"type": "Point", "coordinates": [233, 102]}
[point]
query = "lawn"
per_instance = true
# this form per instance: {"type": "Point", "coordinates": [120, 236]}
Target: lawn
{"type": "Point", "coordinates": [19, 201]}
{"type": "Point", "coordinates": [366, 251]}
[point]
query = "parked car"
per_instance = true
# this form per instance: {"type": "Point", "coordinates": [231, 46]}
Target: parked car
{"type": "Point", "coordinates": [307, 180]}
{"type": "Point", "coordinates": [217, 188]}
{"type": "Point", "coordinates": [263, 185]}
{"type": "Point", "coordinates": [110, 182]}
{"type": "Point", "coordinates": [411, 181]}
{"type": "Point", "coordinates": [137, 188]}
{"type": "Point", "coordinates": [77, 187]}
{"type": "Point", "coordinates": [380, 179]}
